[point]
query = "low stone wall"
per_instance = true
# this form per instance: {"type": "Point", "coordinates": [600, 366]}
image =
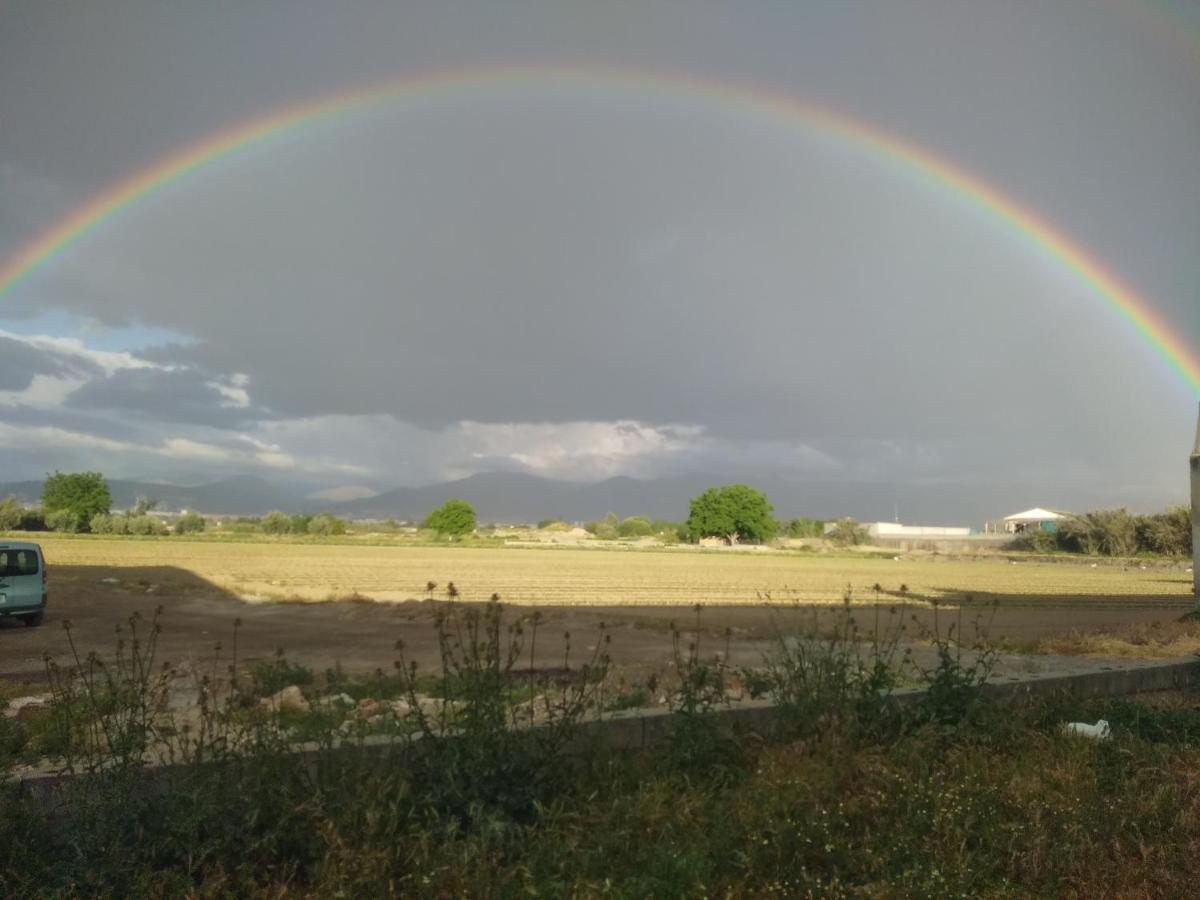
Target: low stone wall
{"type": "Point", "coordinates": [644, 729]}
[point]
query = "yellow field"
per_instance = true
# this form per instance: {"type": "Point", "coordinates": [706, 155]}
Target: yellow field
{"type": "Point", "coordinates": [271, 570]}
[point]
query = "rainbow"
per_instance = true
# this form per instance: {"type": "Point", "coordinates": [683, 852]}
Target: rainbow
{"type": "Point", "coordinates": [875, 141]}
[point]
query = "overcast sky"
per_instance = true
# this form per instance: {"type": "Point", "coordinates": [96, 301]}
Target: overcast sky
{"type": "Point", "coordinates": [581, 281]}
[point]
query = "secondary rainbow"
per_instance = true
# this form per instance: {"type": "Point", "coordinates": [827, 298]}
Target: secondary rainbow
{"type": "Point", "coordinates": [877, 142]}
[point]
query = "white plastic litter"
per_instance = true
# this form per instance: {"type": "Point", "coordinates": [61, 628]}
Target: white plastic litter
{"type": "Point", "coordinates": [1100, 731]}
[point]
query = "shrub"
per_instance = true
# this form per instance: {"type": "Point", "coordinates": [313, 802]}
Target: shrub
{"type": "Point", "coordinates": [64, 520]}
{"type": "Point", "coordinates": [635, 526]}
{"type": "Point", "coordinates": [1112, 532]}
{"type": "Point", "coordinates": [605, 529]}
{"type": "Point", "coordinates": [1168, 533]}
{"type": "Point", "coordinates": [275, 522]}
{"type": "Point", "coordinates": [298, 524]}
{"type": "Point", "coordinates": [804, 527]}
{"type": "Point", "coordinates": [848, 532]}
{"type": "Point", "coordinates": [33, 520]}
{"type": "Point", "coordinates": [1036, 540]}
{"type": "Point", "coordinates": [145, 525]}
{"type": "Point", "coordinates": [11, 512]}
{"type": "Point", "coordinates": [190, 523]}
{"type": "Point", "coordinates": [327, 525]}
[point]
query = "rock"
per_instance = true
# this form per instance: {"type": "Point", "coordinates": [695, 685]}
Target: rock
{"type": "Point", "coordinates": [288, 698]}
{"type": "Point", "coordinates": [400, 708]}
{"type": "Point", "coordinates": [110, 580]}
{"type": "Point", "coordinates": [369, 707]}
{"type": "Point", "coordinates": [24, 707]}
{"type": "Point", "coordinates": [335, 700]}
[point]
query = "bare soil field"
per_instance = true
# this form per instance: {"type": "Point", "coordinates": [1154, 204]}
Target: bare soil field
{"type": "Point", "coordinates": [320, 603]}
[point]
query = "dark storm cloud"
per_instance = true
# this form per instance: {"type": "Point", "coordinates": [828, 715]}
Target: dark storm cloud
{"type": "Point", "coordinates": [181, 395]}
{"type": "Point", "coordinates": [565, 258]}
{"type": "Point", "coordinates": [19, 363]}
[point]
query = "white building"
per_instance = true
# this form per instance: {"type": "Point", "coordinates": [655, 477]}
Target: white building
{"type": "Point", "coordinates": [1036, 519]}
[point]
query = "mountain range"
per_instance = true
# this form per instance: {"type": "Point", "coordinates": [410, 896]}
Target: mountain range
{"type": "Point", "coordinates": [520, 497]}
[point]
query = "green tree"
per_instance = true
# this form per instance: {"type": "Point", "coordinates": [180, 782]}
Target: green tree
{"type": "Point", "coordinates": [848, 532]}
{"type": "Point", "coordinates": [455, 517]}
{"type": "Point", "coordinates": [275, 522]}
{"type": "Point", "coordinates": [802, 527]}
{"type": "Point", "coordinates": [11, 513]}
{"type": "Point", "coordinates": [635, 526]}
{"type": "Point", "coordinates": [735, 512]}
{"type": "Point", "coordinates": [84, 494]}
{"type": "Point", "coordinates": [190, 523]}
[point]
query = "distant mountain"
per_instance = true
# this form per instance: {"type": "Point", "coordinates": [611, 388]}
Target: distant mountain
{"type": "Point", "coordinates": [241, 495]}
{"type": "Point", "coordinates": [519, 497]}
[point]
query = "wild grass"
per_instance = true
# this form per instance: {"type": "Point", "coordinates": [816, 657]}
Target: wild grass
{"type": "Point", "coordinates": [853, 795]}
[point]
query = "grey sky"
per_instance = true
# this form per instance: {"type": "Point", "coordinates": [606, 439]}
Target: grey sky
{"type": "Point", "coordinates": [582, 283]}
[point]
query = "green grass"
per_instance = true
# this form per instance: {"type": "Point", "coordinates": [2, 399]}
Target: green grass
{"type": "Point", "coordinates": [848, 796]}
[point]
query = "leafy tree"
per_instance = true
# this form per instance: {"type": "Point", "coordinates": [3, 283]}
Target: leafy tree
{"type": "Point", "coordinates": [276, 522]}
{"type": "Point", "coordinates": [635, 526]}
{"type": "Point", "coordinates": [326, 525]}
{"type": "Point", "coordinates": [848, 532]}
{"type": "Point", "coordinates": [455, 517]}
{"type": "Point", "coordinates": [734, 512]}
{"type": "Point", "coordinates": [11, 513]}
{"type": "Point", "coordinates": [298, 524]}
{"type": "Point", "coordinates": [802, 527]}
{"type": "Point", "coordinates": [190, 523]}
{"type": "Point", "coordinates": [84, 494]}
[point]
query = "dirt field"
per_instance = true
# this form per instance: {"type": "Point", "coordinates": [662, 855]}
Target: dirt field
{"type": "Point", "coordinates": [98, 584]}
{"type": "Point", "coordinates": [281, 570]}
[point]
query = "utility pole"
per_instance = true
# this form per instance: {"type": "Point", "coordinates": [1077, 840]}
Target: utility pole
{"type": "Point", "coordinates": [1196, 517]}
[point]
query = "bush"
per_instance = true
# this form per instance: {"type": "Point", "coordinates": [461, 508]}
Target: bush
{"type": "Point", "coordinates": [324, 525]}
{"type": "Point", "coordinates": [605, 529]}
{"type": "Point", "coordinates": [1168, 533]}
{"type": "Point", "coordinates": [804, 527]}
{"type": "Point", "coordinates": [275, 522]}
{"type": "Point", "coordinates": [33, 520]}
{"type": "Point", "coordinates": [66, 521]}
{"type": "Point", "coordinates": [1036, 540]}
{"type": "Point", "coordinates": [145, 525]}
{"type": "Point", "coordinates": [11, 512]}
{"type": "Point", "coordinates": [635, 526]}
{"type": "Point", "coordinates": [103, 523]}
{"type": "Point", "coordinates": [848, 532]}
{"type": "Point", "coordinates": [1111, 532]}
{"type": "Point", "coordinates": [190, 523]}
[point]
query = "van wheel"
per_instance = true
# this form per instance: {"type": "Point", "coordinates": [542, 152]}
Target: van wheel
{"type": "Point", "coordinates": [34, 621]}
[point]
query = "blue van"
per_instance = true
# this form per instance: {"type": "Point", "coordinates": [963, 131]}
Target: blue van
{"type": "Point", "coordinates": [22, 581]}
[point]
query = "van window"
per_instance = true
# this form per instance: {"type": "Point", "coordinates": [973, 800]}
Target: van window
{"type": "Point", "coordinates": [18, 562]}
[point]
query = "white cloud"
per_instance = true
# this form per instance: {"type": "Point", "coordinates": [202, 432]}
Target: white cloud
{"type": "Point", "coordinates": [44, 392]}
{"type": "Point", "coordinates": [185, 448]}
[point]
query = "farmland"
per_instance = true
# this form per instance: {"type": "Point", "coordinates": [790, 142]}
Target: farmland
{"type": "Point", "coordinates": [665, 577]}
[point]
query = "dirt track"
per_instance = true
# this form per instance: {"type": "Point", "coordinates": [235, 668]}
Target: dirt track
{"type": "Point", "coordinates": [361, 636]}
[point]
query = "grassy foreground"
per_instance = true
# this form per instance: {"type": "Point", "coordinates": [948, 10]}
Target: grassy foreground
{"type": "Point", "coordinates": [850, 795]}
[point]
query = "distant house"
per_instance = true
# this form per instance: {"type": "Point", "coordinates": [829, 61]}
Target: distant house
{"type": "Point", "coordinates": [1036, 519]}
